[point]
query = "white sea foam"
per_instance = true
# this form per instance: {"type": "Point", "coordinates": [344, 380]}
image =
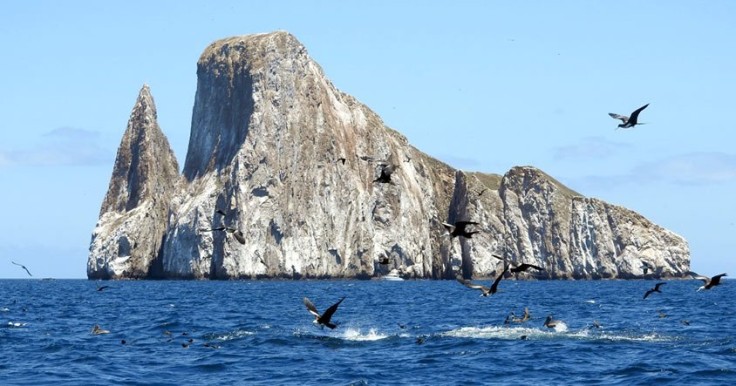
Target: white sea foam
{"type": "Point", "coordinates": [356, 335]}
{"type": "Point", "coordinates": [560, 331]}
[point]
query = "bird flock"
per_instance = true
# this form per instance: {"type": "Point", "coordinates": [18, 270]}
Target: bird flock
{"type": "Point", "coordinates": [456, 229]}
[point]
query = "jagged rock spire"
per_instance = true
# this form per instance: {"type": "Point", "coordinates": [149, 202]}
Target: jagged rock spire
{"type": "Point", "coordinates": [133, 217]}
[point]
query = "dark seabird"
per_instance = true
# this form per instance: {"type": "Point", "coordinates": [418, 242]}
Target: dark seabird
{"type": "Point", "coordinates": [655, 289]}
{"type": "Point", "coordinates": [101, 287]}
{"type": "Point", "coordinates": [485, 291]}
{"type": "Point", "coordinates": [221, 212]}
{"type": "Point", "coordinates": [386, 171]}
{"type": "Point", "coordinates": [512, 318]}
{"type": "Point", "coordinates": [518, 267]}
{"type": "Point", "coordinates": [235, 232]}
{"type": "Point", "coordinates": [324, 319]}
{"type": "Point", "coordinates": [22, 266]}
{"type": "Point", "coordinates": [709, 282]}
{"type": "Point", "coordinates": [459, 228]}
{"type": "Point", "coordinates": [645, 267]}
{"type": "Point", "coordinates": [551, 323]}
{"type": "Point", "coordinates": [631, 121]}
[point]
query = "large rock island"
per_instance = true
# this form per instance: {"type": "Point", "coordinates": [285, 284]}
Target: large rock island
{"type": "Point", "coordinates": [279, 181]}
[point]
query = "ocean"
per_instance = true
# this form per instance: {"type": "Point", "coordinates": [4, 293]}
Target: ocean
{"type": "Point", "coordinates": [389, 333]}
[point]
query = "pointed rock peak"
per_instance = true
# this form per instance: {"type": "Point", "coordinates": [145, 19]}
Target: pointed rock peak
{"type": "Point", "coordinates": [145, 161]}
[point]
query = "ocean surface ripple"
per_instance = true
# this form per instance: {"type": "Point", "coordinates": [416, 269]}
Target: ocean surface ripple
{"type": "Point", "coordinates": [401, 333]}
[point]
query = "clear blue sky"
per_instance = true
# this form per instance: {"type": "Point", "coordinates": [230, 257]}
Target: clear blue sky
{"type": "Point", "coordinates": [481, 85]}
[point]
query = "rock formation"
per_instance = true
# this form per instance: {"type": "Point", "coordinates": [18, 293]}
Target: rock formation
{"type": "Point", "coordinates": [278, 153]}
{"type": "Point", "coordinates": [127, 239]}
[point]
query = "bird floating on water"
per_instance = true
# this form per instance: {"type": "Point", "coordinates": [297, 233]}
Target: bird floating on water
{"type": "Point", "coordinates": [550, 322]}
{"type": "Point", "coordinates": [23, 266]}
{"type": "Point", "coordinates": [97, 330]}
{"type": "Point", "coordinates": [485, 291]}
{"type": "Point", "coordinates": [709, 282]}
{"type": "Point", "coordinates": [655, 289]}
{"type": "Point", "coordinates": [459, 228]}
{"type": "Point", "coordinates": [629, 121]}
{"type": "Point", "coordinates": [324, 319]}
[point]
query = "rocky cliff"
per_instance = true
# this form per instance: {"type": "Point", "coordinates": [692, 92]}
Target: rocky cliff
{"type": "Point", "coordinates": [279, 181]}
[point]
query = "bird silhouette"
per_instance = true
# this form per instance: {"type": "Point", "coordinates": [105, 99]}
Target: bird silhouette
{"type": "Point", "coordinates": [386, 171]}
{"type": "Point", "coordinates": [550, 322]}
{"type": "Point", "coordinates": [233, 231]}
{"type": "Point", "coordinates": [485, 291]}
{"type": "Point", "coordinates": [324, 319]}
{"type": "Point", "coordinates": [630, 121]}
{"type": "Point", "coordinates": [22, 266]}
{"type": "Point", "coordinates": [458, 229]}
{"type": "Point", "coordinates": [517, 267]}
{"type": "Point", "coordinates": [708, 282]}
{"type": "Point", "coordinates": [655, 289]}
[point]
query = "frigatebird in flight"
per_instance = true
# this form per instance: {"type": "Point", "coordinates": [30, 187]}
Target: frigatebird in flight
{"type": "Point", "coordinates": [324, 319]}
{"type": "Point", "coordinates": [629, 121]}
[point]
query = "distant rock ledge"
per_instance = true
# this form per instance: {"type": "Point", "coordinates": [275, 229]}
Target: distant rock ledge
{"type": "Point", "coordinates": [279, 155]}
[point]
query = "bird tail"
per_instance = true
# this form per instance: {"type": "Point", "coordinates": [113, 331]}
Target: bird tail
{"type": "Point", "coordinates": [332, 326]}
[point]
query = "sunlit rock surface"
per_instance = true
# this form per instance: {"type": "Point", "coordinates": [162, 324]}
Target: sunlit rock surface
{"type": "Point", "coordinates": [291, 162]}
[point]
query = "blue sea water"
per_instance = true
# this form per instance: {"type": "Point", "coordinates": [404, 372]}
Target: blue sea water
{"type": "Point", "coordinates": [399, 333]}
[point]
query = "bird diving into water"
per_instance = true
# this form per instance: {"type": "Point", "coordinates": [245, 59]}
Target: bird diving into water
{"type": "Point", "coordinates": [655, 289]}
{"type": "Point", "coordinates": [485, 291]}
{"type": "Point", "coordinates": [324, 319]}
{"type": "Point", "coordinates": [23, 266]}
{"type": "Point", "coordinates": [708, 282]}
{"type": "Point", "coordinates": [459, 228]}
{"type": "Point", "coordinates": [630, 121]}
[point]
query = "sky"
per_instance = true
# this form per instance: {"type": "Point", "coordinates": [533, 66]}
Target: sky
{"type": "Point", "coordinates": [481, 85]}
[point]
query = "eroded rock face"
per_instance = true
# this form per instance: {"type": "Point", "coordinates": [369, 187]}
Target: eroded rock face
{"type": "Point", "coordinates": [278, 153]}
{"type": "Point", "coordinates": [133, 219]}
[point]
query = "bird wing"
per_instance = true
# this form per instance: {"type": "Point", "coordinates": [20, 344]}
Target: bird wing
{"type": "Point", "coordinates": [698, 277]}
{"type": "Point", "coordinates": [472, 285]}
{"type": "Point", "coordinates": [24, 267]}
{"type": "Point", "coordinates": [656, 286]}
{"type": "Point", "coordinates": [494, 286]}
{"type": "Point", "coordinates": [447, 226]}
{"type": "Point", "coordinates": [715, 280]}
{"type": "Point", "coordinates": [525, 266]}
{"type": "Point", "coordinates": [623, 118]}
{"type": "Point", "coordinates": [465, 223]}
{"type": "Point", "coordinates": [635, 114]}
{"type": "Point", "coordinates": [310, 306]}
{"type": "Point", "coordinates": [328, 313]}
{"type": "Point", "coordinates": [648, 293]}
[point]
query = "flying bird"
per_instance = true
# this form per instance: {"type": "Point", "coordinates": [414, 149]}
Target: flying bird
{"type": "Point", "coordinates": [324, 319]}
{"type": "Point", "coordinates": [645, 267]}
{"type": "Point", "coordinates": [631, 121]}
{"type": "Point", "coordinates": [101, 287]}
{"type": "Point", "coordinates": [708, 282]}
{"type": "Point", "coordinates": [386, 171]}
{"type": "Point", "coordinates": [22, 266]}
{"type": "Point", "coordinates": [485, 291]}
{"type": "Point", "coordinates": [518, 267]}
{"type": "Point", "coordinates": [235, 232]}
{"type": "Point", "coordinates": [459, 228]}
{"type": "Point", "coordinates": [655, 289]}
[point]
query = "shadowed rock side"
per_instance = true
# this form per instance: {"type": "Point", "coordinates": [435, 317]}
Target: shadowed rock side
{"type": "Point", "coordinates": [127, 239]}
{"type": "Point", "coordinates": [278, 153]}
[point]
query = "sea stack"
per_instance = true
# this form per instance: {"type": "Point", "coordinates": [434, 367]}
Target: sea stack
{"type": "Point", "coordinates": [127, 239]}
{"type": "Point", "coordinates": [267, 127]}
